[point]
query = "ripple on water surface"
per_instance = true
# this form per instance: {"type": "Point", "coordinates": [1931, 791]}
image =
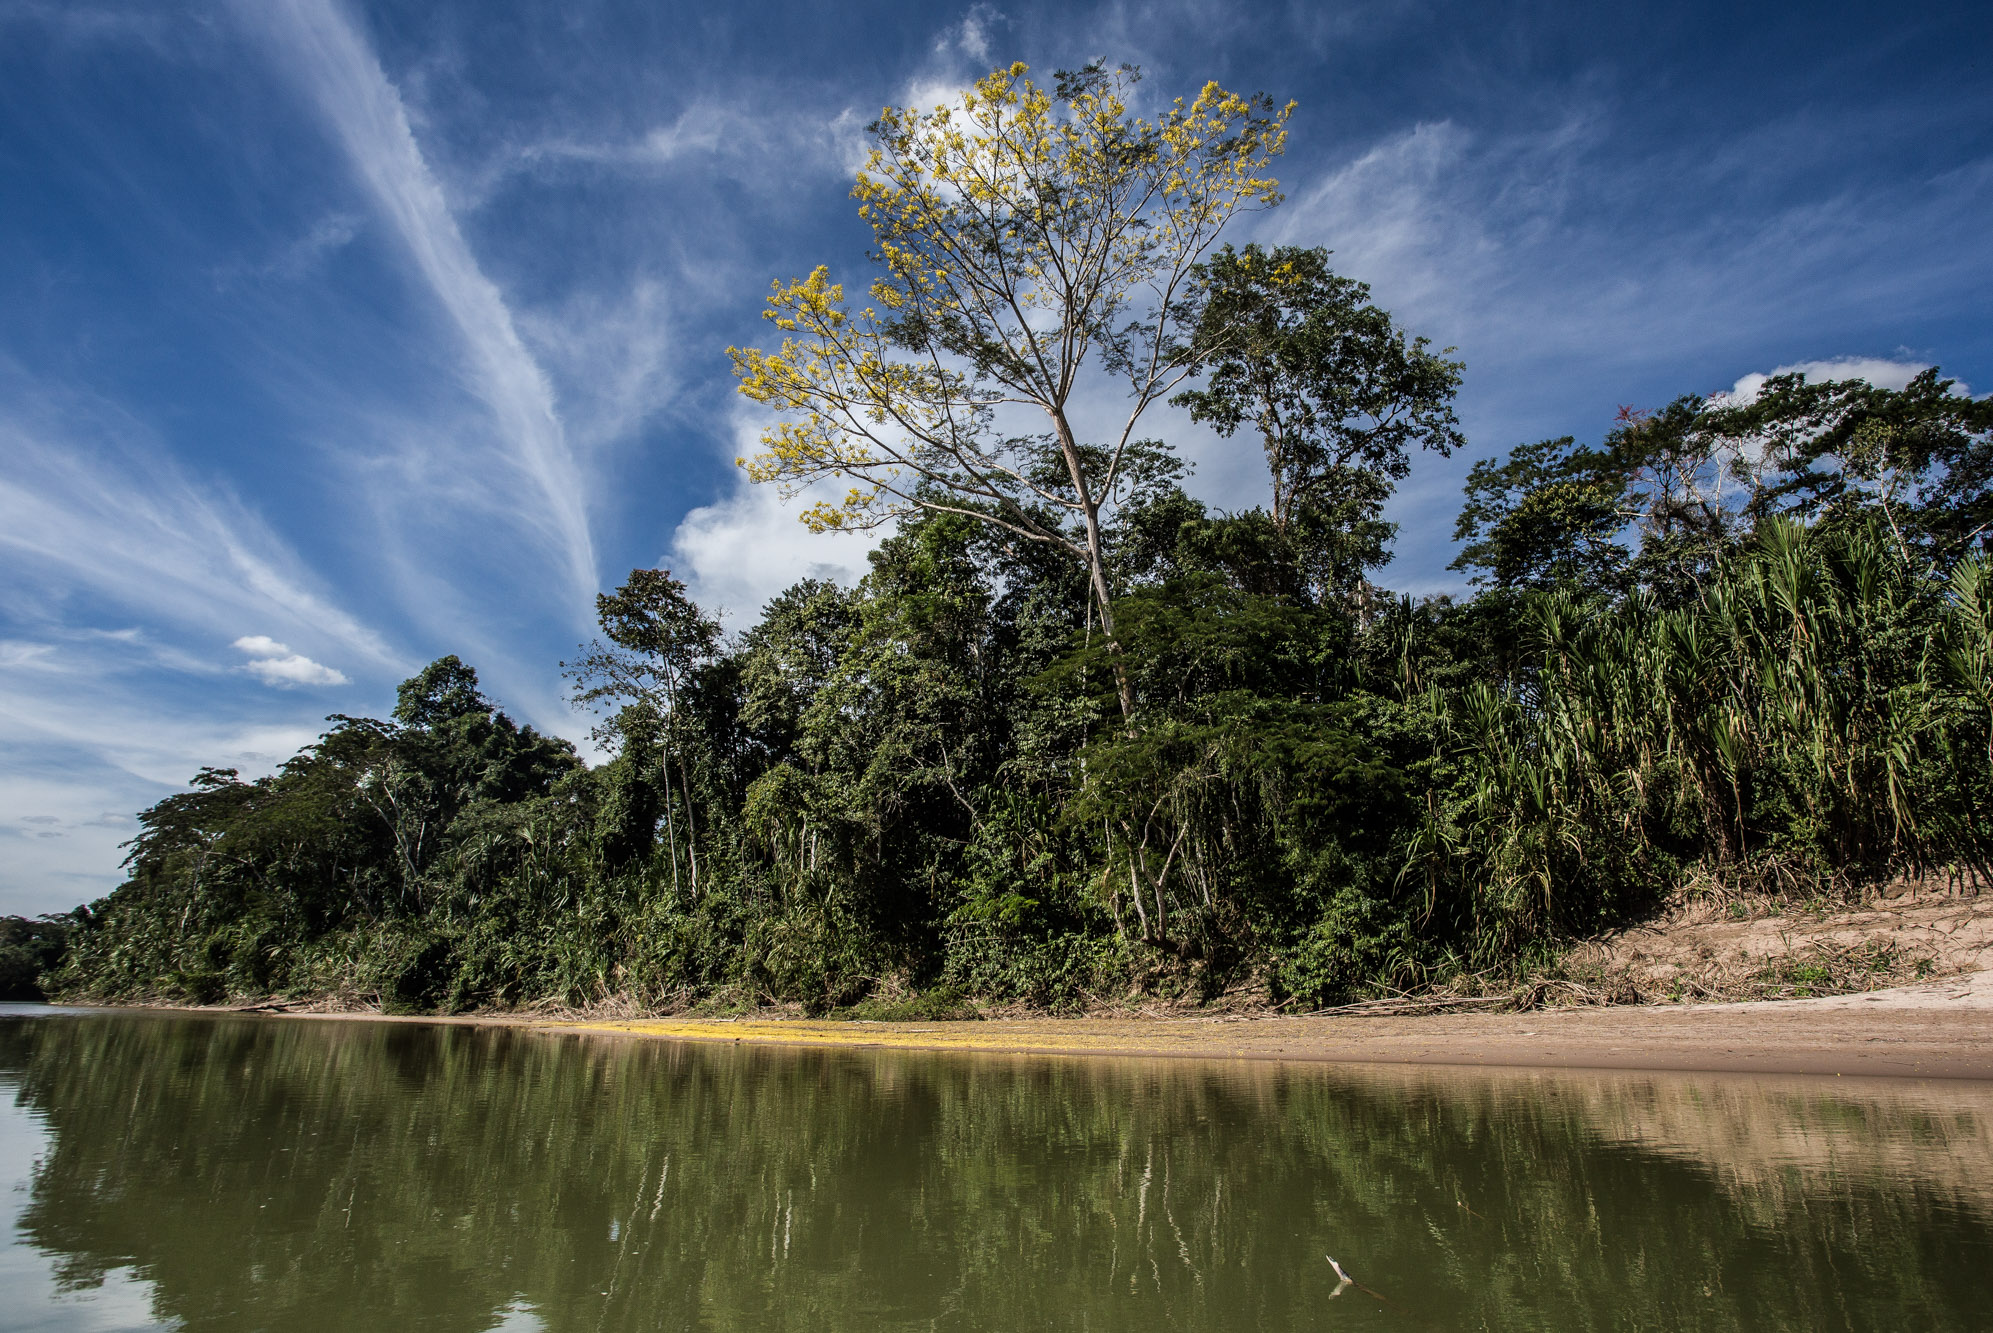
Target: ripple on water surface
{"type": "Point", "coordinates": [234, 1173]}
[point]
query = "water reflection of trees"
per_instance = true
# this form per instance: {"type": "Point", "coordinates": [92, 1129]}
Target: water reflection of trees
{"type": "Point", "coordinates": [269, 1174]}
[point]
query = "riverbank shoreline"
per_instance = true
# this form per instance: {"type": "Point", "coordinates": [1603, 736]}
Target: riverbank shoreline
{"type": "Point", "coordinates": [1938, 1030]}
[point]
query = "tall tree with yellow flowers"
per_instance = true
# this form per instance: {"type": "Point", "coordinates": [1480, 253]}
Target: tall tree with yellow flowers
{"type": "Point", "coordinates": [1037, 248]}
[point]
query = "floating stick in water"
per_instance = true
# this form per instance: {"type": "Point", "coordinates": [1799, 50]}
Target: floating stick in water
{"type": "Point", "coordinates": [1347, 1281]}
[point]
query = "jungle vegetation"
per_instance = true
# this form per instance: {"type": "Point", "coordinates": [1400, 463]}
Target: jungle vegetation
{"type": "Point", "coordinates": [1077, 733]}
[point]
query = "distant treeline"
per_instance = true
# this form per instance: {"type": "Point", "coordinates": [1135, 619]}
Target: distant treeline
{"type": "Point", "coordinates": [1742, 646]}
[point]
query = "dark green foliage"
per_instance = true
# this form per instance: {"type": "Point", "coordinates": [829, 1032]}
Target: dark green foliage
{"type": "Point", "coordinates": [1338, 395]}
{"type": "Point", "coordinates": [1921, 457]}
{"type": "Point", "coordinates": [1335, 391]}
{"type": "Point", "coordinates": [1547, 516]}
{"type": "Point", "coordinates": [1711, 648]}
{"type": "Point", "coordinates": [356, 866]}
{"type": "Point", "coordinates": [29, 948]}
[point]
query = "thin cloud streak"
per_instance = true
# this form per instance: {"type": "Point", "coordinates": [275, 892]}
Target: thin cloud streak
{"type": "Point", "coordinates": [106, 725]}
{"type": "Point", "coordinates": [1529, 242]}
{"type": "Point", "coordinates": [366, 114]}
{"type": "Point", "coordinates": [139, 534]}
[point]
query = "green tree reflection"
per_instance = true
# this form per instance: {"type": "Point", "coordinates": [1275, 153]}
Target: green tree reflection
{"type": "Point", "coordinates": [293, 1175]}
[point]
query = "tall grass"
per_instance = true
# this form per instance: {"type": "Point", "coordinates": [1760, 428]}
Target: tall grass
{"type": "Point", "coordinates": [1817, 718]}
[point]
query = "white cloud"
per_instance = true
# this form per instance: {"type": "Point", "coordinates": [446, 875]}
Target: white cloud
{"type": "Point", "coordinates": [260, 645]}
{"type": "Point", "coordinates": [1879, 371]}
{"type": "Point", "coordinates": [294, 669]}
{"type": "Point", "coordinates": [851, 146]}
{"type": "Point", "coordinates": [366, 115]}
{"type": "Point", "coordinates": [737, 554]}
{"type": "Point", "coordinates": [274, 663]}
{"type": "Point", "coordinates": [971, 37]}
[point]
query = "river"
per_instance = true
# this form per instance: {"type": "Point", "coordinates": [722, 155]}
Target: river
{"type": "Point", "coordinates": [235, 1173]}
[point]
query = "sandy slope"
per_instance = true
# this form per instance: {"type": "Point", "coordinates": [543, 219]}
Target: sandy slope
{"type": "Point", "coordinates": [1721, 951]}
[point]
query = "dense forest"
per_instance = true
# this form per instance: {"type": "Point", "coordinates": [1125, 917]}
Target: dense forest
{"type": "Point", "coordinates": [1784, 684]}
{"type": "Point", "coordinates": [1078, 734]}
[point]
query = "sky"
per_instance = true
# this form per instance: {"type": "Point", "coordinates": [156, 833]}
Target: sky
{"type": "Point", "coordinates": [339, 335]}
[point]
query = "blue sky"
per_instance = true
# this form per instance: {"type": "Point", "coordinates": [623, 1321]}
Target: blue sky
{"type": "Point", "coordinates": [336, 336]}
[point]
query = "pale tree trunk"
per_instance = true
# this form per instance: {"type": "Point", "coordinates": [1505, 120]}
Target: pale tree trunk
{"type": "Point", "coordinates": [691, 826]}
{"type": "Point", "coordinates": [685, 790]}
{"type": "Point", "coordinates": [1097, 566]}
{"type": "Point", "coordinates": [670, 828]}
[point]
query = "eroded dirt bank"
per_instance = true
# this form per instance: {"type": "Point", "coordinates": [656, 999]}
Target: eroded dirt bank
{"type": "Point", "coordinates": [1741, 951]}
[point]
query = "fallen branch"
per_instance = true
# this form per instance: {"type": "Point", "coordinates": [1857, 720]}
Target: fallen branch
{"type": "Point", "coordinates": [1412, 1004]}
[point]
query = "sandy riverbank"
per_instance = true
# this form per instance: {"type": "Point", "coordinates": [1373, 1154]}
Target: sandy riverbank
{"type": "Point", "coordinates": [1917, 1032]}
{"type": "Point", "coordinates": [1937, 1030]}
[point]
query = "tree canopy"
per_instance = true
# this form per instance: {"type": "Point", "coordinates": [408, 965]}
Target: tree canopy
{"type": "Point", "coordinates": [1031, 241]}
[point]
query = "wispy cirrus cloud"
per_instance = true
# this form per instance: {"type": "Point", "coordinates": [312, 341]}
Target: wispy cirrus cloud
{"type": "Point", "coordinates": [618, 351]}
{"type": "Point", "coordinates": [319, 46]}
{"type": "Point", "coordinates": [91, 505]}
{"type": "Point", "coordinates": [749, 144]}
{"type": "Point", "coordinates": [81, 753]}
{"type": "Point", "coordinates": [702, 128]}
{"type": "Point", "coordinates": [79, 24]}
{"type": "Point", "coordinates": [1541, 243]}
{"type": "Point", "coordinates": [128, 579]}
{"type": "Point", "coordinates": [300, 257]}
